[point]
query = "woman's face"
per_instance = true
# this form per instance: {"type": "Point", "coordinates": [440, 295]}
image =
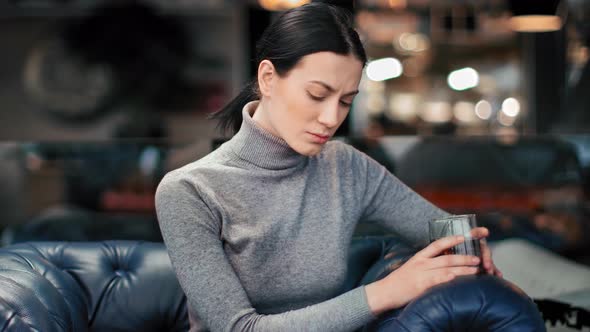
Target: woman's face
{"type": "Point", "coordinates": [308, 104]}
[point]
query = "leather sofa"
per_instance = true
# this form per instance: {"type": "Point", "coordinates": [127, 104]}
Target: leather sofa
{"type": "Point", "coordinates": [130, 286]}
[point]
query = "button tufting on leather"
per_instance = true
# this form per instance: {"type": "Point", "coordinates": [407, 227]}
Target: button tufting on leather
{"type": "Point", "coordinates": [120, 273]}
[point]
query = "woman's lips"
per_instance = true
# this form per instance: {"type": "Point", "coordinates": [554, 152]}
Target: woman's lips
{"type": "Point", "coordinates": [320, 138]}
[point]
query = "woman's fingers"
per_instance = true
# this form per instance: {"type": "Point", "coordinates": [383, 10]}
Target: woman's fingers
{"type": "Point", "coordinates": [453, 260]}
{"type": "Point", "coordinates": [486, 254]}
{"type": "Point", "coordinates": [480, 232]}
{"type": "Point", "coordinates": [488, 261]}
{"type": "Point", "coordinates": [461, 271]}
{"type": "Point", "coordinates": [445, 275]}
{"type": "Point", "coordinates": [437, 247]}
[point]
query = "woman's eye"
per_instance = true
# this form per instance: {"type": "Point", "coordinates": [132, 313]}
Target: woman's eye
{"type": "Point", "coordinates": [316, 98]}
{"type": "Point", "coordinates": [319, 98]}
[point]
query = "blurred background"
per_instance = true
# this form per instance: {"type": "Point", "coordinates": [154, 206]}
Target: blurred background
{"type": "Point", "coordinates": [479, 105]}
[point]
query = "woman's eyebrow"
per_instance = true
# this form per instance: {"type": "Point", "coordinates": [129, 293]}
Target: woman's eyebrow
{"type": "Point", "coordinates": [331, 89]}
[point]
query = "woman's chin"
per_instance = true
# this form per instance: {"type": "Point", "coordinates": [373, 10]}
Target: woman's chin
{"type": "Point", "coordinates": [309, 149]}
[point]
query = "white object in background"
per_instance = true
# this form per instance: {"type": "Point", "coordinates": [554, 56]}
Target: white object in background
{"type": "Point", "coordinates": [538, 271]}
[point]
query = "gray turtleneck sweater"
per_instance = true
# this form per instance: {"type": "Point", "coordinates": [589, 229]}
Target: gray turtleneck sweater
{"type": "Point", "coordinates": [258, 234]}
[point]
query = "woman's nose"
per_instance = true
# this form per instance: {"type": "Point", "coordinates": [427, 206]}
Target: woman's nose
{"type": "Point", "coordinates": [329, 116]}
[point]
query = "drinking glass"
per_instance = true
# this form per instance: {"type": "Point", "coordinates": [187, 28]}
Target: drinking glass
{"type": "Point", "coordinates": [457, 225]}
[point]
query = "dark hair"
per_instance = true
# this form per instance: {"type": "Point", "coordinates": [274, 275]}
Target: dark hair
{"type": "Point", "coordinates": [311, 28]}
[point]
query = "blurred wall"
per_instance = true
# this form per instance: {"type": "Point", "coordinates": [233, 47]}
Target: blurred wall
{"type": "Point", "coordinates": [20, 118]}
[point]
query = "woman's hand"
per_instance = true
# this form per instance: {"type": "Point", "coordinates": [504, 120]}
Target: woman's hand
{"type": "Point", "coordinates": [426, 269]}
{"type": "Point", "coordinates": [488, 264]}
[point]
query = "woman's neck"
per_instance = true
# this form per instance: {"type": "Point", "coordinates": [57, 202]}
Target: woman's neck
{"type": "Point", "coordinates": [260, 116]}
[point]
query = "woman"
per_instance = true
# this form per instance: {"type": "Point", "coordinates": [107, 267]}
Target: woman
{"type": "Point", "coordinates": [258, 230]}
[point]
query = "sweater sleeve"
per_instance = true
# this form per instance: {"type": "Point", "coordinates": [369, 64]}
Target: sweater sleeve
{"type": "Point", "coordinates": [391, 203]}
{"type": "Point", "coordinates": [192, 234]}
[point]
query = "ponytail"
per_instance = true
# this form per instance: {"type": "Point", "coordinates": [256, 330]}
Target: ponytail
{"type": "Point", "coordinates": [230, 116]}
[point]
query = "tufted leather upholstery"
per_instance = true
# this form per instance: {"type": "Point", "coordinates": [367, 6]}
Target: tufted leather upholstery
{"type": "Point", "coordinates": [130, 286]}
{"type": "Point", "coordinates": [468, 303]}
{"type": "Point", "coordinates": [98, 286]}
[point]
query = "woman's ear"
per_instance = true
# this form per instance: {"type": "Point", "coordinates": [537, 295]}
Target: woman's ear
{"type": "Point", "coordinates": [266, 76]}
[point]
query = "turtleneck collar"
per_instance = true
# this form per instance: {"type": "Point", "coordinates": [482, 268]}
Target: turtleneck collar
{"type": "Point", "coordinates": [261, 148]}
